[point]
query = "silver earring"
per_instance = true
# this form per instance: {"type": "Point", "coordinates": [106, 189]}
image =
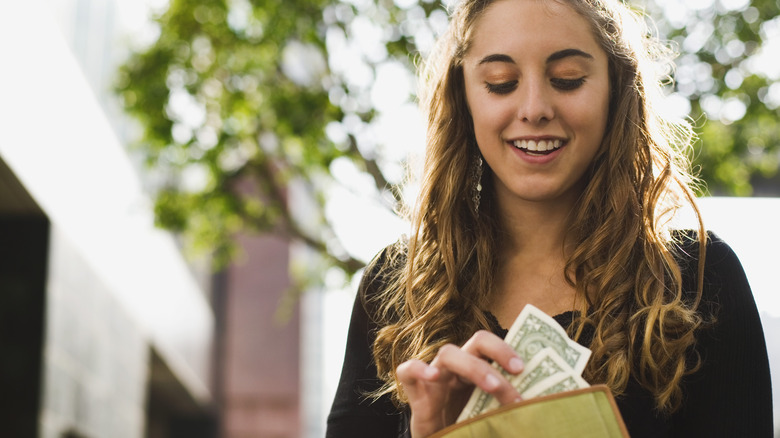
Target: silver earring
{"type": "Point", "coordinates": [476, 183]}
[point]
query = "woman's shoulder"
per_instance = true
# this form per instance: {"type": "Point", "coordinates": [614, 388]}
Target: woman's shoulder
{"type": "Point", "coordinates": [724, 283]}
{"type": "Point", "coordinates": [729, 345]}
{"type": "Point", "coordinates": [717, 253]}
{"type": "Point", "coordinates": [383, 269]}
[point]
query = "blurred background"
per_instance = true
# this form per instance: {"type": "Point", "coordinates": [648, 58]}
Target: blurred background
{"type": "Point", "coordinates": [190, 189]}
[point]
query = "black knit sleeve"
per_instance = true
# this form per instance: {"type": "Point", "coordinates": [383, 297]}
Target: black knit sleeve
{"type": "Point", "coordinates": [730, 396]}
{"type": "Point", "coordinates": [353, 414]}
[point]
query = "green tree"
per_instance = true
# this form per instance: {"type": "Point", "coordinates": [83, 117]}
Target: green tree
{"type": "Point", "coordinates": [240, 100]}
{"type": "Point", "coordinates": [728, 71]}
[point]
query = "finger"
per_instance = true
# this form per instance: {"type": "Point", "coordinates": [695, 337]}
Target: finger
{"type": "Point", "coordinates": [476, 370]}
{"type": "Point", "coordinates": [487, 345]}
{"type": "Point", "coordinates": [414, 370]}
{"type": "Point", "coordinates": [415, 377]}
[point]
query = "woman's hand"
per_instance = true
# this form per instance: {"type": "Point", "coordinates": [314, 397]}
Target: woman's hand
{"type": "Point", "coordinates": [439, 391]}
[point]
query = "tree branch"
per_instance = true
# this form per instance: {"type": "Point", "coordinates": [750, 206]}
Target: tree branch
{"type": "Point", "coordinates": [264, 170]}
{"type": "Point", "coordinates": [372, 167]}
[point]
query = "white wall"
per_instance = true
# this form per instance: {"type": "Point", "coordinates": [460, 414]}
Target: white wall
{"type": "Point", "coordinates": [95, 355]}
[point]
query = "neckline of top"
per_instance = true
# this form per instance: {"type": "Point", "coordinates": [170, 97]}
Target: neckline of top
{"type": "Point", "coordinates": [564, 319]}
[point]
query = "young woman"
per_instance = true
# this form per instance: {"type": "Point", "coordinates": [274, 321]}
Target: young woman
{"type": "Point", "coordinates": [549, 179]}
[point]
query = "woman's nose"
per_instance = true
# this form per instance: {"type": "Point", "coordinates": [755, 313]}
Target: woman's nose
{"type": "Point", "coordinates": [535, 105]}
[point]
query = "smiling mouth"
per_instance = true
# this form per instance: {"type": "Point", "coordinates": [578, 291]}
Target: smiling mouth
{"type": "Point", "coordinates": [538, 147]}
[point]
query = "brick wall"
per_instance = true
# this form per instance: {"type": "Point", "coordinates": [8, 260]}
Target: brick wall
{"type": "Point", "coordinates": [260, 372]}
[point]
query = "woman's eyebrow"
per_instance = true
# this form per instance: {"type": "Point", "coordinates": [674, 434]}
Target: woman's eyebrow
{"type": "Point", "coordinates": [561, 54]}
{"type": "Point", "coordinates": [565, 53]}
{"type": "Point", "coordinates": [498, 57]}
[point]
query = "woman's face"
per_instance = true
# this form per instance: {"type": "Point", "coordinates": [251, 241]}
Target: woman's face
{"type": "Point", "coordinates": [537, 86]}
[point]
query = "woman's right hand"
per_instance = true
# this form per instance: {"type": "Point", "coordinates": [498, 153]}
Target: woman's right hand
{"type": "Point", "coordinates": [438, 391]}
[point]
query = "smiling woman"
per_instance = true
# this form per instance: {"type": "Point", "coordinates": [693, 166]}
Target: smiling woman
{"type": "Point", "coordinates": [550, 180]}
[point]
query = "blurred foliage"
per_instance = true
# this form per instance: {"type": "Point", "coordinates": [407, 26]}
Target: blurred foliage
{"type": "Point", "coordinates": [730, 78]}
{"type": "Point", "coordinates": [243, 102]}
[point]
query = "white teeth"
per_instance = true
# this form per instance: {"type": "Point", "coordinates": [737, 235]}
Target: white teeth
{"type": "Point", "coordinates": [538, 146]}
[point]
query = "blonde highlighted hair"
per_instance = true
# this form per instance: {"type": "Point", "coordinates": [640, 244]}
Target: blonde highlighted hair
{"type": "Point", "coordinates": [623, 266]}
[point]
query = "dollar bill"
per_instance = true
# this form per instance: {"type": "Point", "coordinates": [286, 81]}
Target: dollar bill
{"type": "Point", "coordinates": [544, 366]}
{"type": "Point", "coordinates": [550, 355]}
{"type": "Point", "coordinates": [562, 384]}
{"type": "Point", "coordinates": [534, 330]}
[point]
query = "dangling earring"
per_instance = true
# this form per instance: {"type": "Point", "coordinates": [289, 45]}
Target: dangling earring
{"type": "Point", "coordinates": [476, 183]}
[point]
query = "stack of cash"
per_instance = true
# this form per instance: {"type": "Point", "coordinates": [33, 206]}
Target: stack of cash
{"type": "Point", "coordinates": [553, 362]}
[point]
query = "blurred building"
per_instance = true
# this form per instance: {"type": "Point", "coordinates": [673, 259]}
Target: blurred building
{"type": "Point", "coordinates": [105, 329]}
{"type": "Point", "coordinates": [259, 374]}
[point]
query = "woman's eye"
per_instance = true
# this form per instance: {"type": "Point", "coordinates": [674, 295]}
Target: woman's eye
{"type": "Point", "coordinates": [502, 88]}
{"type": "Point", "coordinates": [567, 84]}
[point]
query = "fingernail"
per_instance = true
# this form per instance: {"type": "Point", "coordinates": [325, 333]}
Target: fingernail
{"type": "Point", "coordinates": [430, 372]}
{"type": "Point", "coordinates": [491, 382]}
{"type": "Point", "coordinates": [518, 399]}
{"type": "Point", "coordinates": [515, 364]}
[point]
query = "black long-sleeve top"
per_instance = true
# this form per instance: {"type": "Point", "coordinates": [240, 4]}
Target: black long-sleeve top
{"type": "Point", "coordinates": [729, 396]}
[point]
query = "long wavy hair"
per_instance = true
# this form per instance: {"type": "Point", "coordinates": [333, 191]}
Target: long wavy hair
{"type": "Point", "coordinates": [624, 264]}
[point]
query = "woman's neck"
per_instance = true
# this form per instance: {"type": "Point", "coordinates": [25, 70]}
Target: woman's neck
{"type": "Point", "coordinates": [538, 228]}
{"type": "Point", "coordinates": [532, 260]}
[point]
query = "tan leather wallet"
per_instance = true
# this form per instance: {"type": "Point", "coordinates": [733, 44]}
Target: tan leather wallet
{"type": "Point", "coordinates": [583, 413]}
